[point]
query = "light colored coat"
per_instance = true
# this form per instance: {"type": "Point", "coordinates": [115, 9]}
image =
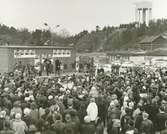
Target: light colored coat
{"type": "Point", "coordinates": [92, 111]}
{"type": "Point", "coordinates": [19, 127]}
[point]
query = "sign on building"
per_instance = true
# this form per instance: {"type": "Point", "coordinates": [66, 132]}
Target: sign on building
{"type": "Point", "coordinates": [61, 53]}
{"type": "Point", "coordinates": [27, 53]}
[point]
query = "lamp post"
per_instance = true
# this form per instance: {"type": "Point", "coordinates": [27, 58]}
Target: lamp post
{"type": "Point", "coordinates": [50, 30]}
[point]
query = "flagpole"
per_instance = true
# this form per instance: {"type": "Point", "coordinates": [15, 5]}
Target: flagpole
{"type": "Point", "coordinates": [50, 29]}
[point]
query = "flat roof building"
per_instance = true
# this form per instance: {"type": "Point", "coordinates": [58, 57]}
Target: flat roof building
{"type": "Point", "coordinates": [10, 55]}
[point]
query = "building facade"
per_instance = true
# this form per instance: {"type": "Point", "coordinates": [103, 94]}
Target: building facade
{"type": "Point", "coordinates": [10, 55]}
{"type": "Point", "coordinates": [153, 42]}
{"type": "Point", "coordinates": [157, 57]}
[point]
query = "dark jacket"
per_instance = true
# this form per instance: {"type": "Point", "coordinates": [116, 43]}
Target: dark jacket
{"type": "Point", "coordinates": [164, 131]}
{"type": "Point", "coordinates": [138, 121]}
{"type": "Point", "coordinates": [160, 121]}
{"type": "Point", "coordinates": [125, 122]}
{"type": "Point", "coordinates": [58, 127]}
{"type": "Point", "coordinates": [100, 129]}
{"type": "Point", "coordinates": [8, 131]}
{"type": "Point", "coordinates": [49, 132]}
{"type": "Point", "coordinates": [70, 128]}
{"type": "Point", "coordinates": [1, 123]}
{"type": "Point", "coordinates": [146, 127]}
{"type": "Point", "coordinates": [87, 128]}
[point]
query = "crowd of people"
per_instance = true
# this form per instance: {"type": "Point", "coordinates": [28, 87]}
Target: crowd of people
{"type": "Point", "coordinates": [130, 102]}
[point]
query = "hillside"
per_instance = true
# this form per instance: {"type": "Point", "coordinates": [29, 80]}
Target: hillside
{"type": "Point", "coordinates": [101, 39]}
{"type": "Point", "coordinates": [13, 36]}
{"type": "Point", "coordinates": [122, 37]}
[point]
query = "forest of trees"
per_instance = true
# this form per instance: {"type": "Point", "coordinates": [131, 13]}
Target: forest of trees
{"type": "Point", "coordinates": [101, 39]}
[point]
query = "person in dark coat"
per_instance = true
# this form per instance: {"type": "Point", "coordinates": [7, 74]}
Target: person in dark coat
{"type": "Point", "coordinates": [82, 112]}
{"type": "Point", "coordinates": [7, 129]}
{"type": "Point", "coordinates": [47, 117]}
{"type": "Point", "coordinates": [70, 126]}
{"type": "Point", "coordinates": [88, 127]}
{"type": "Point", "coordinates": [47, 130]}
{"type": "Point", "coordinates": [114, 120]}
{"type": "Point", "coordinates": [146, 125]}
{"type": "Point", "coordinates": [102, 109]}
{"type": "Point", "coordinates": [125, 120]}
{"type": "Point", "coordinates": [99, 126]}
{"type": "Point", "coordinates": [70, 110]}
{"type": "Point", "coordinates": [73, 112]}
{"type": "Point", "coordinates": [165, 130]}
{"type": "Point", "coordinates": [139, 119]}
{"type": "Point", "coordinates": [2, 119]}
{"type": "Point", "coordinates": [131, 129]}
{"type": "Point", "coordinates": [161, 118]}
{"type": "Point", "coordinates": [152, 110]}
{"type": "Point", "coordinates": [58, 126]}
{"type": "Point", "coordinates": [34, 113]}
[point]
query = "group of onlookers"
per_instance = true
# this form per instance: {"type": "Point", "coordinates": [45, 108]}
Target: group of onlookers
{"type": "Point", "coordinates": [132, 102]}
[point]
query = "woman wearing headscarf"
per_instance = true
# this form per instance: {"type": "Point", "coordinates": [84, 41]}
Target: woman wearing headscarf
{"type": "Point", "coordinates": [19, 126]}
{"type": "Point", "coordinates": [92, 110]}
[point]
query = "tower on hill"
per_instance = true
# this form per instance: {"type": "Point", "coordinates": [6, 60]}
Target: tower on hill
{"type": "Point", "coordinates": [143, 12]}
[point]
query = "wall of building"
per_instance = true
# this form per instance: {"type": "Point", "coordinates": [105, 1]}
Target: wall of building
{"type": "Point", "coordinates": [13, 60]}
{"type": "Point", "coordinates": [41, 54]}
{"type": "Point", "coordinates": [3, 60]}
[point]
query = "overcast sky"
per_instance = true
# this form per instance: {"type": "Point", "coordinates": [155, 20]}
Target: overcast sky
{"type": "Point", "coordinates": [73, 15]}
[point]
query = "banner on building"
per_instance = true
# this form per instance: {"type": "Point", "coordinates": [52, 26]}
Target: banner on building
{"type": "Point", "coordinates": [61, 53]}
{"type": "Point", "coordinates": [27, 53]}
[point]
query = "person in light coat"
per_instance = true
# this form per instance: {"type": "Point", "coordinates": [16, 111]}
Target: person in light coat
{"type": "Point", "coordinates": [92, 110]}
{"type": "Point", "coordinates": [19, 126]}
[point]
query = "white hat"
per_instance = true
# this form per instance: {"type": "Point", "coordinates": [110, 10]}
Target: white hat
{"type": "Point", "coordinates": [144, 87]}
{"type": "Point", "coordinates": [2, 114]}
{"type": "Point", "coordinates": [80, 96]}
{"type": "Point", "coordinates": [27, 111]}
{"type": "Point", "coordinates": [87, 119]}
{"type": "Point", "coordinates": [93, 88]}
{"type": "Point", "coordinates": [6, 89]}
{"type": "Point", "coordinates": [61, 97]}
{"type": "Point", "coordinates": [50, 97]}
{"type": "Point", "coordinates": [18, 89]}
{"type": "Point", "coordinates": [145, 115]}
{"type": "Point", "coordinates": [74, 88]}
{"type": "Point", "coordinates": [68, 91]}
{"type": "Point", "coordinates": [62, 89]}
{"type": "Point", "coordinates": [31, 97]}
{"type": "Point", "coordinates": [27, 98]}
